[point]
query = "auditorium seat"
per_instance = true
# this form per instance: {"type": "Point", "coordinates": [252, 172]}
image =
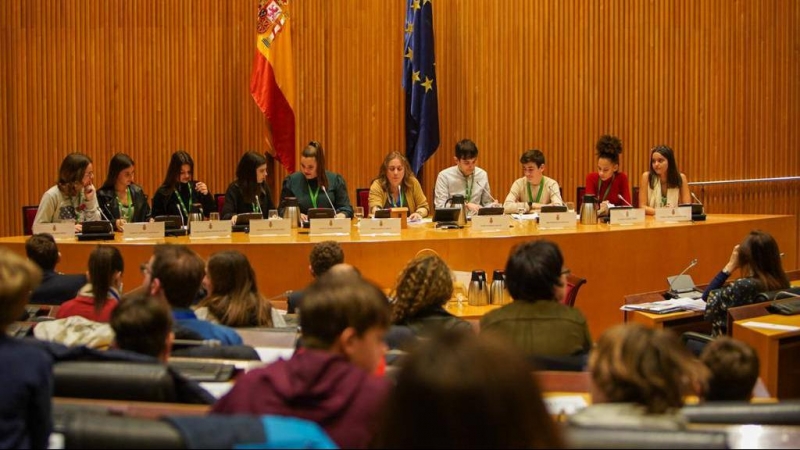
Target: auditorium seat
{"type": "Point", "coordinates": [584, 437]}
{"type": "Point", "coordinates": [362, 199]}
{"type": "Point", "coordinates": [117, 380]}
{"type": "Point", "coordinates": [635, 197]}
{"type": "Point", "coordinates": [28, 214]}
{"type": "Point", "coordinates": [782, 413]}
{"type": "Point", "coordinates": [579, 192]}
{"type": "Point", "coordinates": [220, 198]}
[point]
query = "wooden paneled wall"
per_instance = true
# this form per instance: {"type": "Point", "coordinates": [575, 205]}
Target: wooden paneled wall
{"type": "Point", "coordinates": [717, 80]}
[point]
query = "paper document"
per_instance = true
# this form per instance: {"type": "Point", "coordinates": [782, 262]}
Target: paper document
{"type": "Point", "coordinates": [771, 326]}
{"type": "Point", "coordinates": [564, 404]}
{"type": "Point", "coordinates": [532, 216]}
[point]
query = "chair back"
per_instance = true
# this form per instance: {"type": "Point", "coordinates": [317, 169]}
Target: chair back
{"type": "Point", "coordinates": [220, 198]}
{"type": "Point", "coordinates": [362, 199]}
{"type": "Point", "coordinates": [574, 284]}
{"type": "Point", "coordinates": [114, 380]}
{"type": "Point", "coordinates": [759, 307]}
{"type": "Point", "coordinates": [585, 437]}
{"type": "Point", "coordinates": [28, 214]}
{"type": "Point", "coordinates": [635, 197]}
{"type": "Point", "coordinates": [88, 430]}
{"type": "Point", "coordinates": [579, 197]}
{"type": "Point", "coordinates": [782, 413]}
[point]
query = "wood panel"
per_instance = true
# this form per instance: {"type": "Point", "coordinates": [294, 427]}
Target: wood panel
{"type": "Point", "coordinates": [719, 81]}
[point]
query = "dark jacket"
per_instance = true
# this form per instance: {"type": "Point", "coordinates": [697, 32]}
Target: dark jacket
{"type": "Point", "coordinates": [296, 185]}
{"type": "Point", "coordinates": [236, 204]}
{"type": "Point", "coordinates": [165, 201]}
{"type": "Point", "coordinates": [107, 199]}
{"type": "Point", "coordinates": [56, 288]}
{"type": "Point", "coordinates": [314, 385]}
{"type": "Point", "coordinates": [427, 323]}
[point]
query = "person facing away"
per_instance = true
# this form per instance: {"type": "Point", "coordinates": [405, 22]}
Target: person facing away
{"type": "Point", "coordinates": [98, 299]}
{"type": "Point", "coordinates": [422, 290]}
{"type": "Point", "coordinates": [608, 183]}
{"type": "Point", "coordinates": [73, 198]}
{"type": "Point", "coordinates": [465, 178]}
{"type": "Point", "coordinates": [175, 274]}
{"type": "Point", "coordinates": [233, 296]}
{"type": "Point", "coordinates": [143, 324]}
{"type": "Point", "coordinates": [759, 259]}
{"type": "Point", "coordinates": [536, 321]}
{"type": "Point", "coordinates": [56, 287]}
{"type": "Point", "coordinates": [316, 187]}
{"type": "Point", "coordinates": [533, 190]}
{"type": "Point", "coordinates": [663, 186]}
{"type": "Point", "coordinates": [323, 256]}
{"type": "Point", "coordinates": [331, 379]}
{"type": "Point", "coordinates": [461, 390]}
{"type": "Point", "coordinates": [26, 378]}
{"type": "Point", "coordinates": [639, 378]}
{"type": "Point", "coordinates": [733, 367]}
{"type": "Point", "coordinates": [180, 192]}
{"type": "Point", "coordinates": [249, 193]}
{"type": "Point", "coordinates": [122, 200]}
{"type": "Point", "coordinates": [397, 187]}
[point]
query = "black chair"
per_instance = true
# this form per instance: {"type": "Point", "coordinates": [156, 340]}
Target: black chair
{"type": "Point", "coordinates": [695, 342]}
{"type": "Point", "coordinates": [783, 413]}
{"type": "Point", "coordinates": [569, 363]}
{"type": "Point", "coordinates": [88, 430]}
{"type": "Point", "coordinates": [584, 437]}
{"type": "Point", "coordinates": [114, 380]}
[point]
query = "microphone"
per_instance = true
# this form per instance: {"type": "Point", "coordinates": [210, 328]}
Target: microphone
{"type": "Point", "coordinates": [483, 188]}
{"type": "Point", "coordinates": [669, 294]}
{"type": "Point", "coordinates": [619, 196]}
{"type": "Point", "coordinates": [102, 214]}
{"type": "Point", "coordinates": [258, 202]}
{"type": "Point", "coordinates": [178, 207]}
{"type": "Point", "coordinates": [287, 293]}
{"type": "Point", "coordinates": [695, 198]}
{"type": "Point", "coordinates": [329, 198]}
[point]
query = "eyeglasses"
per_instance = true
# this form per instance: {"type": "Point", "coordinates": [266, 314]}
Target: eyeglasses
{"type": "Point", "coordinates": [565, 271]}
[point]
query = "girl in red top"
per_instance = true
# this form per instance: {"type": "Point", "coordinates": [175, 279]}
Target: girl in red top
{"type": "Point", "coordinates": [608, 183]}
{"type": "Point", "coordinates": [96, 300]}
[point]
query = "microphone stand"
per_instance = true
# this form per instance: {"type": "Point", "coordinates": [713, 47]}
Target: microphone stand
{"type": "Point", "coordinates": [329, 199]}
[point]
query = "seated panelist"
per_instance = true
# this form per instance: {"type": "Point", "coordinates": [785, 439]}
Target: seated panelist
{"type": "Point", "coordinates": [73, 198]}
{"type": "Point", "coordinates": [180, 191]}
{"type": "Point", "coordinates": [533, 190]}
{"type": "Point", "coordinates": [396, 186]}
{"type": "Point", "coordinates": [464, 178]}
{"type": "Point", "coordinates": [607, 184]}
{"type": "Point", "coordinates": [249, 193]}
{"type": "Point", "coordinates": [315, 187]}
{"type": "Point", "coordinates": [121, 199]}
{"type": "Point", "coordinates": [663, 186]}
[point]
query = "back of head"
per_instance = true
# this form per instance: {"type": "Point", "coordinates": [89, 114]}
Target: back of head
{"type": "Point", "coordinates": [733, 367]}
{"type": "Point", "coordinates": [609, 147]}
{"type": "Point", "coordinates": [339, 300]}
{"type": "Point", "coordinates": [466, 149]}
{"type": "Point", "coordinates": [759, 253]}
{"type": "Point", "coordinates": [42, 250]}
{"type": "Point", "coordinates": [142, 324]}
{"type": "Point", "coordinates": [234, 298]}
{"type": "Point", "coordinates": [461, 390]}
{"type": "Point", "coordinates": [533, 271]}
{"type": "Point", "coordinates": [532, 156]}
{"type": "Point", "coordinates": [635, 364]}
{"type": "Point", "coordinates": [104, 262]}
{"type": "Point", "coordinates": [180, 271]}
{"type": "Point", "coordinates": [425, 283]}
{"type": "Point", "coordinates": [325, 255]}
{"type": "Point", "coordinates": [18, 277]}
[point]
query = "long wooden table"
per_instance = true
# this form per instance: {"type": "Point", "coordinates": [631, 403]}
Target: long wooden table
{"type": "Point", "coordinates": [778, 352]}
{"type": "Point", "coordinates": [616, 260]}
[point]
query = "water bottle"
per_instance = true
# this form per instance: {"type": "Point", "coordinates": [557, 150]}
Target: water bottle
{"type": "Point", "coordinates": [498, 294]}
{"type": "Point", "coordinates": [291, 211]}
{"type": "Point", "coordinates": [589, 210]}
{"type": "Point", "coordinates": [478, 293]}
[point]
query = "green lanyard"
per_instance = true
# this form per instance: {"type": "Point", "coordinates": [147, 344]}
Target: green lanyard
{"type": "Point", "coordinates": [256, 205]}
{"type": "Point", "coordinates": [77, 209]}
{"type": "Point", "coordinates": [313, 194]}
{"type": "Point", "coordinates": [538, 195]}
{"type": "Point", "coordinates": [183, 205]}
{"type": "Point", "coordinates": [126, 212]}
{"type": "Point", "coordinates": [469, 187]}
{"type": "Point", "coordinates": [605, 196]}
{"type": "Point", "coordinates": [400, 203]}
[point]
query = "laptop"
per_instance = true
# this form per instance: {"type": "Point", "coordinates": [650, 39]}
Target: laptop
{"type": "Point", "coordinates": [98, 230]}
{"type": "Point", "coordinates": [243, 221]}
{"type": "Point", "coordinates": [683, 286]}
{"type": "Point", "coordinates": [173, 225]}
{"type": "Point", "coordinates": [446, 217]}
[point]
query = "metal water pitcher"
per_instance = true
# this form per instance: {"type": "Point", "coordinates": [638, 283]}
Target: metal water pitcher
{"type": "Point", "coordinates": [589, 210]}
{"type": "Point", "coordinates": [497, 292]}
{"type": "Point", "coordinates": [291, 211]}
{"type": "Point", "coordinates": [478, 293]}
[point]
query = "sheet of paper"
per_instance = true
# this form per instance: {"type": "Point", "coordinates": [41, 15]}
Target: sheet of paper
{"type": "Point", "coordinates": [771, 326]}
{"type": "Point", "coordinates": [566, 404]}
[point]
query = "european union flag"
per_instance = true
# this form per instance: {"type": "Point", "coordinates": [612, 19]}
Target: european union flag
{"type": "Point", "coordinates": [419, 82]}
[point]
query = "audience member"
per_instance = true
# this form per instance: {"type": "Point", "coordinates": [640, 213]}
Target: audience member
{"type": "Point", "coordinates": [179, 191]}
{"type": "Point", "coordinates": [175, 273]}
{"type": "Point", "coordinates": [759, 259]}
{"type": "Point", "coordinates": [460, 390]}
{"type": "Point", "coordinates": [465, 178]}
{"type": "Point", "coordinates": [663, 186]}
{"type": "Point", "coordinates": [323, 256]}
{"type": "Point", "coordinates": [536, 321]}
{"type": "Point", "coordinates": [331, 379]}
{"type": "Point", "coordinates": [233, 296]}
{"type": "Point", "coordinates": [97, 299]}
{"type": "Point", "coordinates": [422, 290]}
{"type": "Point", "coordinates": [121, 199]}
{"type": "Point", "coordinates": [143, 324]}
{"type": "Point", "coordinates": [26, 378]}
{"type": "Point", "coordinates": [396, 187]}
{"type": "Point", "coordinates": [733, 367]}
{"type": "Point", "coordinates": [639, 377]}
{"type": "Point", "coordinates": [608, 183]}
{"type": "Point", "coordinates": [249, 193]}
{"type": "Point", "coordinates": [73, 198]}
{"type": "Point", "coordinates": [56, 287]}
{"type": "Point", "coordinates": [533, 190]}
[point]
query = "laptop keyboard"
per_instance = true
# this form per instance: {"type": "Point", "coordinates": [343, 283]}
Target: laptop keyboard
{"type": "Point", "coordinates": [203, 371]}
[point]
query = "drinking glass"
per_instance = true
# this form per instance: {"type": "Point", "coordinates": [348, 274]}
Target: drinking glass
{"type": "Point", "coordinates": [359, 213]}
{"type": "Point", "coordinates": [273, 214]}
{"type": "Point", "coordinates": [213, 216]}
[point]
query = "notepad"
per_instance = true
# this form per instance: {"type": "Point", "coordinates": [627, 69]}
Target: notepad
{"type": "Point", "coordinates": [771, 326]}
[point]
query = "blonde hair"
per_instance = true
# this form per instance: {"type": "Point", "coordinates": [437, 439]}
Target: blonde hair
{"type": "Point", "coordinates": [18, 277]}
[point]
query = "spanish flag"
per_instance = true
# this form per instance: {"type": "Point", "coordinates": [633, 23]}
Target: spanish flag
{"type": "Point", "coordinates": [272, 80]}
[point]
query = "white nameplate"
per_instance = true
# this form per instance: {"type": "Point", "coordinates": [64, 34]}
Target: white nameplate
{"type": "Point", "coordinates": [486, 224]}
{"type": "Point", "coordinates": [627, 216]}
{"type": "Point", "coordinates": [59, 231]}
{"type": "Point", "coordinates": [558, 220]}
{"type": "Point", "coordinates": [209, 229]}
{"type": "Point", "coordinates": [677, 214]}
{"type": "Point", "coordinates": [330, 226]}
{"type": "Point", "coordinates": [143, 230]}
{"type": "Point", "coordinates": [271, 227]}
{"type": "Point", "coordinates": [375, 227]}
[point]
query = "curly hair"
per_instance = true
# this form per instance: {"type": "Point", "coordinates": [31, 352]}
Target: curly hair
{"type": "Point", "coordinates": [426, 282]}
{"type": "Point", "coordinates": [325, 255]}
{"type": "Point", "coordinates": [609, 147]}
